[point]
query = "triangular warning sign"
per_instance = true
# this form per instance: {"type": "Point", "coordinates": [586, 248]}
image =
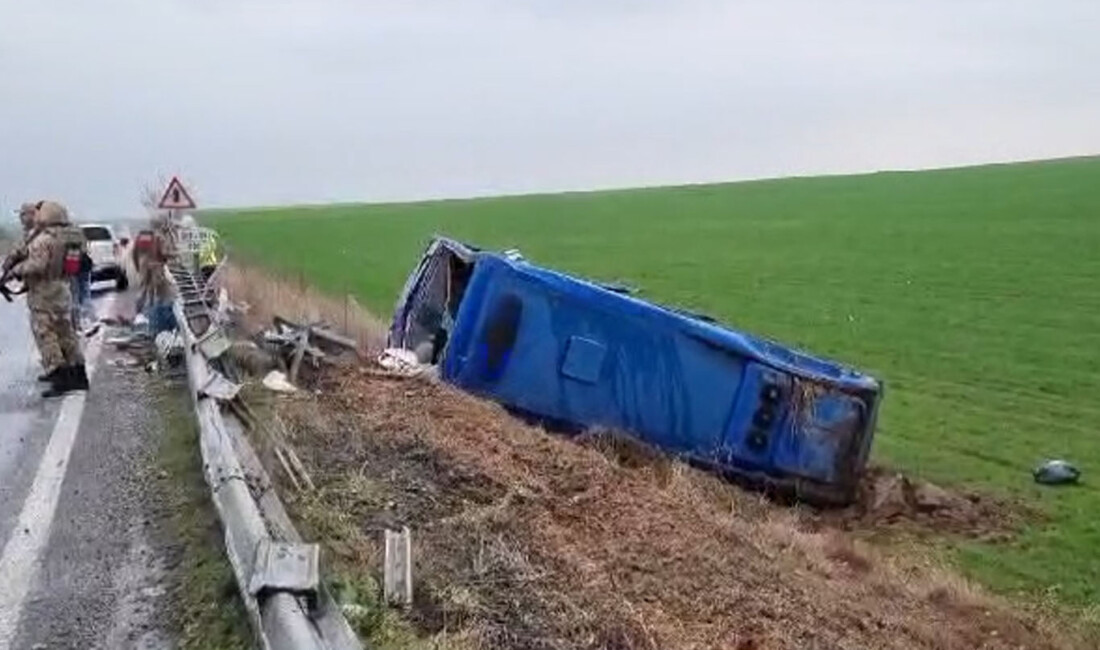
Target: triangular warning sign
{"type": "Point", "coordinates": [176, 197]}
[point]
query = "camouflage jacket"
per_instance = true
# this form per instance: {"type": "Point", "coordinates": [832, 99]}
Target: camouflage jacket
{"type": "Point", "coordinates": [155, 286]}
{"type": "Point", "coordinates": [19, 253]}
{"type": "Point", "coordinates": [41, 269]}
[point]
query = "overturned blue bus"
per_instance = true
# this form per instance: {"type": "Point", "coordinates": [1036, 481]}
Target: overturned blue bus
{"type": "Point", "coordinates": [570, 351]}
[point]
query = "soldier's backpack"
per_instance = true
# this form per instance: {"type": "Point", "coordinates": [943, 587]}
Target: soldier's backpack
{"type": "Point", "coordinates": [73, 240]}
{"type": "Point", "coordinates": [71, 266]}
{"type": "Point", "coordinates": [145, 243]}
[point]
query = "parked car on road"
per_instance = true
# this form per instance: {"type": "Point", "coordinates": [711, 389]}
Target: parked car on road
{"type": "Point", "coordinates": [104, 249]}
{"type": "Point", "coordinates": [581, 354]}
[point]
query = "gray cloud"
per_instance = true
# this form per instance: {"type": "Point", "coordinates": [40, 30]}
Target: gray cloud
{"type": "Point", "coordinates": [270, 102]}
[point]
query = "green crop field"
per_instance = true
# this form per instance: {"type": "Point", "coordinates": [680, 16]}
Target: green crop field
{"type": "Point", "coordinates": [974, 293]}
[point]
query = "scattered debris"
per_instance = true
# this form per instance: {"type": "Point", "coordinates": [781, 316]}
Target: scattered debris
{"type": "Point", "coordinates": [401, 362]}
{"type": "Point", "coordinates": [219, 387]}
{"type": "Point", "coordinates": [296, 464]}
{"type": "Point", "coordinates": [299, 352]}
{"type": "Point", "coordinates": [249, 360]}
{"type": "Point", "coordinates": [397, 574]}
{"type": "Point", "coordinates": [274, 435]}
{"type": "Point", "coordinates": [313, 343]}
{"type": "Point", "coordinates": [277, 381]}
{"type": "Point", "coordinates": [127, 341]}
{"type": "Point", "coordinates": [141, 348]}
{"type": "Point", "coordinates": [169, 346]}
{"type": "Point", "coordinates": [213, 344]}
{"type": "Point", "coordinates": [1056, 472]}
{"type": "Point", "coordinates": [224, 307]}
{"type": "Point", "coordinates": [123, 362]}
{"type": "Point", "coordinates": [319, 331]}
{"type": "Point", "coordinates": [287, 471]}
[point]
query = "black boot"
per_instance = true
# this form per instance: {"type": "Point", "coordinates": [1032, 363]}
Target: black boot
{"type": "Point", "coordinates": [79, 377]}
{"type": "Point", "coordinates": [48, 377]}
{"type": "Point", "coordinates": [61, 383]}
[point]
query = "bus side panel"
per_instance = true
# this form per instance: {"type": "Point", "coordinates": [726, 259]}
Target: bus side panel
{"type": "Point", "coordinates": [591, 365]}
{"type": "Point", "coordinates": [573, 355]}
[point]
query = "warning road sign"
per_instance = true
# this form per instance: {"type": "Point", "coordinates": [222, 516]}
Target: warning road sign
{"type": "Point", "coordinates": [176, 197]}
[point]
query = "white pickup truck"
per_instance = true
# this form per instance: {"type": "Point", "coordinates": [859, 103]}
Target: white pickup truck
{"type": "Point", "coordinates": [104, 249]}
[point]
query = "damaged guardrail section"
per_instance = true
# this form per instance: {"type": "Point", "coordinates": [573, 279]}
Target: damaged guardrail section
{"type": "Point", "coordinates": [278, 576]}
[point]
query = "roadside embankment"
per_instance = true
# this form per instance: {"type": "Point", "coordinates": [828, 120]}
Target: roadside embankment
{"type": "Point", "coordinates": [524, 538]}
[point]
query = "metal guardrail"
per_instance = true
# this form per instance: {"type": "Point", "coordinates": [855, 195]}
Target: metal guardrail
{"type": "Point", "coordinates": [276, 574]}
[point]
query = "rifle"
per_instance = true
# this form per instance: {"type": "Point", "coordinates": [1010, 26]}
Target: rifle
{"type": "Point", "coordinates": [5, 279]}
{"type": "Point", "coordinates": [9, 266]}
{"type": "Point", "coordinates": [16, 256]}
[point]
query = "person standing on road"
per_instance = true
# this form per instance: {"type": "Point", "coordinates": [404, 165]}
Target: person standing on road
{"type": "Point", "coordinates": [51, 256]}
{"type": "Point", "coordinates": [80, 285]}
{"type": "Point", "coordinates": [152, 252]}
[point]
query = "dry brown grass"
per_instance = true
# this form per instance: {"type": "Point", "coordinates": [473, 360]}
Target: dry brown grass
{"type": "Point", "coordinates": [267, 296]}
{"type": "Point", "coordinates": [525, 539]}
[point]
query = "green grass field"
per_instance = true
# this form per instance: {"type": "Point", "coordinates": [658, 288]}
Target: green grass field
{"type": "Point", "coordinates": [974, 293]}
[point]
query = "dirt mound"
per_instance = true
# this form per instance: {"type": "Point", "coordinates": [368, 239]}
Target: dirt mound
{"type": "Point", "coordinates": [523, 539]}
{"type": "Point", "coordinates": [890, 500]}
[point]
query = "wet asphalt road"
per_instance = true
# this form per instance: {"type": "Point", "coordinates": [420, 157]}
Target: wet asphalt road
{"type": "Point", "coordinates": [82, 567]}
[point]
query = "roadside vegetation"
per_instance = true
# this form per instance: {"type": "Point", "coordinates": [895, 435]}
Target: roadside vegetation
{"type": "Point", "coordinates": [971, 292]}
{"type": "Point", "coordinates": [204, 607]}
{"type": "Point", "coordinates": [525, 539]}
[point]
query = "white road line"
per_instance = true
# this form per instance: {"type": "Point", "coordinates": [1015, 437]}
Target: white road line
{"type": "Point", "coordinates": [20, 560]}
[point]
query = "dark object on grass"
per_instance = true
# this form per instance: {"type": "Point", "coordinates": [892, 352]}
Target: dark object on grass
{"type": "Point", "coordinates": [1056, 472]}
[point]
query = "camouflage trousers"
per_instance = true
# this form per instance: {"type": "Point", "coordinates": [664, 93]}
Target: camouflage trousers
{"type": "Point", "coordinates": [52, 326]}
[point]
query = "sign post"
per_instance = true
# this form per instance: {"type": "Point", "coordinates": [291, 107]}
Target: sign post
{"type": "Point", "coordinates": [175, 198]}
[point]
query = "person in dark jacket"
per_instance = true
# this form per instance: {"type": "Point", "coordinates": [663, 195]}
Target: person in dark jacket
{"type": "Point", "coordinates": [80, 285]}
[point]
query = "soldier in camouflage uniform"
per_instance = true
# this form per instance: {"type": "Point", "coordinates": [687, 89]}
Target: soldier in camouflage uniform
{"type": "Point", "coordinates": [50, 301]}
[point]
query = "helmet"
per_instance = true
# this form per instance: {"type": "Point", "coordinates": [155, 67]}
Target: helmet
{"type": "Point", "coordinates": [51, 213]}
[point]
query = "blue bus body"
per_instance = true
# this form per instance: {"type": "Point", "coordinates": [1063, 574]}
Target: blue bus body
{"type": "Point", "coordinates": [573, 351]}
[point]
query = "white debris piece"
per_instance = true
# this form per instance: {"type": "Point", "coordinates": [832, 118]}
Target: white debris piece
{"type": "Point", "coordinates": [397, 571]}
{"type": "Point", "coordinates": [214, 343]}
{"type": "Point", "coordinates": [400, 361]}
{"type": "Point", "coordinates": [220, 388]}
{"type": "Point", "coordinates": [277, 381]}
{"type": "Point", "coordinates": [120, 341]}
{"type": "Point", "coordinates": [221, 313]}
{"type": "Point", "coordinates": [169, 343]}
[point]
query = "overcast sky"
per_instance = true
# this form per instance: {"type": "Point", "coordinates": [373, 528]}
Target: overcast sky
{"type": "Point", "coordinates": [324, 100]}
